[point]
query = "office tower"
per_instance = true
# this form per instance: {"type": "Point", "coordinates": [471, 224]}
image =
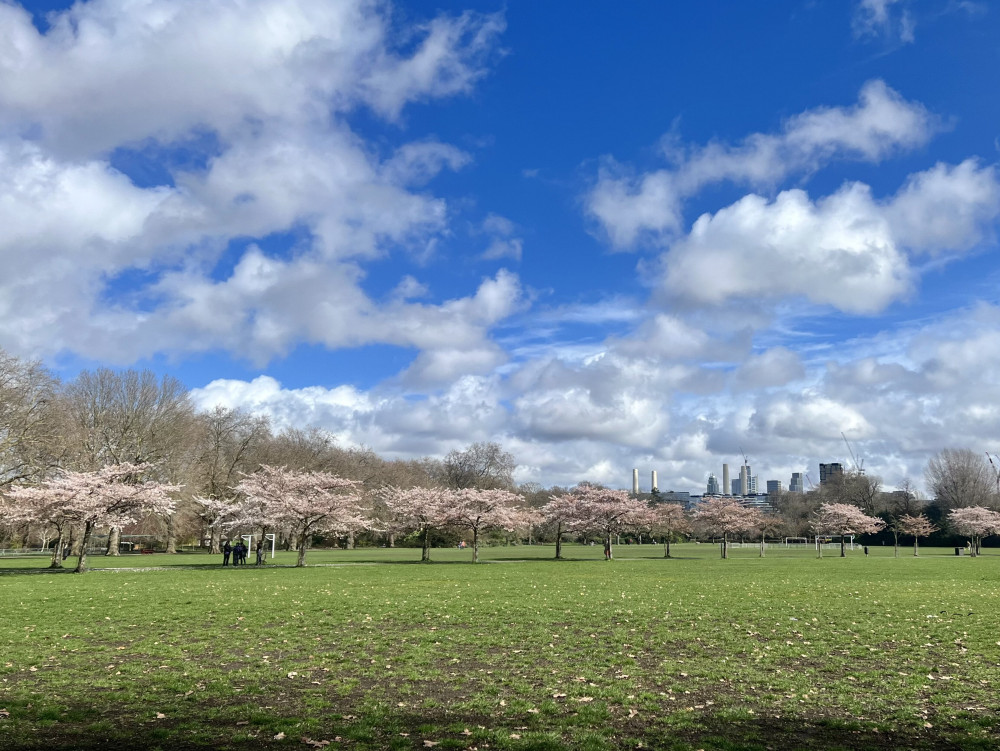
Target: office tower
{"type": "Point", "coordinates": [796, 485]}
{"type": "Point", "coordinates": [713, 486]}
{"type": "Point", "coordinates": [773, 487]}
{"type": "Point", "coordinates": [827, 472]}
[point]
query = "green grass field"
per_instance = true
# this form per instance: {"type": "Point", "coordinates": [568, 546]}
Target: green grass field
{"type": "Point", "coordinates": [369, 649]}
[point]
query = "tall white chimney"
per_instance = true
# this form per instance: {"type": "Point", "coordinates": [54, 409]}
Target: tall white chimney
{"type": "Point", "coordinates": [635, 482]}
{"type": "Point", "coordinates": [653, 484]}
{"type": "Point", "coordinates": [727, 489]}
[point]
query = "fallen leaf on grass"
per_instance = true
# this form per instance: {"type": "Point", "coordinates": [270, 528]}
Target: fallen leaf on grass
{"type": "Point", "coordinates": [292, 674]}
{"type": "Point", "coordinates": [466, 732]}
{"type": "Point", "coordinates": [4, 714]}
{"type": "Point", "coordinates": [632, 713]}
{"type": "Point", "coordinates": [585, 698]}
{"type": "Point", "coordinates": [242, 722]}
{"type": "Point", "coordinates": [533, 711]}
{"type": "Point", "coordinates": [558, 696]}
{"type": "Point", "coordinates": [928, 725]}
{"type": "Point", "coordinates": [314, 744]}
{"type": "Point", "coordinates": [430, 744]}
{"type": "Point", "coordinates": [160, 716]}
{"type": "Point", "coordinates": [279, 737]}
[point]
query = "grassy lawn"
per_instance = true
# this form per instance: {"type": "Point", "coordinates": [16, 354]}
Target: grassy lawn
{"type": "Point", "coordinates": [369, 649]}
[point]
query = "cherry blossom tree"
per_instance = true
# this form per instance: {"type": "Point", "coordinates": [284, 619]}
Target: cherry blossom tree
{"type": "Point", "coordinates": [764, 524]}
{"type": "Point", "coordinates": [418, 509]}
{"type": "Point", "coordinates": [915, 527]}
{"type": "Point", "coordinates": [843, 519]}
{"type": "Point", "coordinates": [479, 510]}
{"type": "Point", "coordinates": [566, 513]}
{"type": "Point", "coordinates": [974, 522]}
{"type": "Point", "coordinates": [112, 496]}
{"type": "Point", "coordinates": [40, 505]}
{"type": "Point", "coordinates": [667, 520]}
{"type": "Point", "coordinates": [608, 512]}
{"type": "Point", "coordinates": [308, 503]}
{"type": "Point", "coordinates": [725, 517]}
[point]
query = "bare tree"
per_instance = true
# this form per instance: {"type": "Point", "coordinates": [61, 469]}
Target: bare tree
{"type": "Point", "coordinates": [131, 417]}
{"type": "Point", "coordinates": [960, 478]}
{"type": "Point", "coordinates": [484, 466]}
{"type": "Point", "coordinates": [30, 438]}
{"type": "Point", "coordinates": [228, 443]}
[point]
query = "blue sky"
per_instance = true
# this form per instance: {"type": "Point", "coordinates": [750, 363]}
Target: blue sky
{"type": "Point", "coordinates": [604, 235]}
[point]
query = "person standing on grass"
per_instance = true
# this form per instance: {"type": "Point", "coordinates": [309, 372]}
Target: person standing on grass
{"type": "Point", "coordinates": [227, 550]}
{"type": "Point", "coordinates": [237, 552]}
{"type": "Point", "coordinates": [260, 552]}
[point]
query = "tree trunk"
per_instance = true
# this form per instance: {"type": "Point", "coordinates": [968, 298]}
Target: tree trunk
{"type": "Point", "coordinates": [895, 544]}
{"type": "Point", "coordinates": [214, 538]}
{"type": "Point", "coordinates": [611, 552]}
{"type": "Point", "coordinates": [114, 538]}
{"type": "Point", "coordinates": [843, 547]}
{"type": "Point", "coordinates": [303, 538]}
{"type": "Point", "coordinates": [57, 551]}
{"type": "Point", "coordinates": [81, 563]}
{"type": "Point", "coordinates": [725, 546]}
{"type": "Point", "coordinates": [475, 545]}
{"type": "Point", "coordinates": [915, 547]}
{"type": "Point", "coordinates": [762, 550]}
{"type": "Point", "coordinates": [666, 546]}
{"type": "Point", "coordinates": [425, 554]}
{"type": "Point", "coordinates": [392, 539]}
{"type": "Point", "coordinates": [559, 540]}
{"type": "Point", "coordinates": [819, 548]}
{"type": "Point", "coordinates": [350, 540]}
{"type": "Point", "coordinates": [171, 534]}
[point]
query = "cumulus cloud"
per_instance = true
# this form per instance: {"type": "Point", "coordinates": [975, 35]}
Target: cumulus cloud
{"type": "Point", "coordinates": [260, 96]}
{"type": "Point", "coordinates": [847, 250]}
{"type": "Point", "coordinates": [629, 207]}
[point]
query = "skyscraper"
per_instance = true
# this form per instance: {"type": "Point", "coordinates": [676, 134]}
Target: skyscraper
{"type": "Point", "coordinates": [773, 487]}
{"type": "Point", "coordinates": [796, 485]}
{"type": "Point", "coordinates": [828, 472]}
{"type": "Point", "coordinates": [745, 480]}
{"type": "Point", "coordinates": [713, 486]}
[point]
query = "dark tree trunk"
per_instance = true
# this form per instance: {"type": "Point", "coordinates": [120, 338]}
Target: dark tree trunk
{"type": "Point", "coordinates": [171, 534]}
{"type": "Point", "coordinates": [425, 554]}
{"type": "Point", "coordinates": [81, 563]}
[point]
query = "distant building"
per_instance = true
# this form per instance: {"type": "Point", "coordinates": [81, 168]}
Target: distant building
{"type": "Point", "coordinates": [827, 472]}
{"type": "Point", "coordinates": [734, 488]}
{"type": "Point", "coordinates": [774, 487]}
{"type": "Point", "coordinates": [745, 480]}
{"type": "Point", "coordinates": [713, 486]}
{"type": "Point", "coordinates": [796, 485]}
{"type": "Point", "coordinates": [754, 485]}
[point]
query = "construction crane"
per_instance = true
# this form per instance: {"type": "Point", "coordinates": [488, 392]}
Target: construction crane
{"type": "Point", "coordinates": [811, 485]}
{"type": "Point", "coordinates": [746, 461]}
{"type": "Point", "coordinates": [996, 471]}
{"type": "Point", "coordinates": [859, 467]}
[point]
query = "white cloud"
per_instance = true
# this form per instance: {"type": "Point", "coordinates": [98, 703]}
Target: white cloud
{"type": "Point", "coordinates": [846, 250]}
{"type": "Point", "coordinates": [268, 86]}
{"type": "Point", "coordinates": [630, 207]}
{"type": "Point", "coordinates": [890, 18]}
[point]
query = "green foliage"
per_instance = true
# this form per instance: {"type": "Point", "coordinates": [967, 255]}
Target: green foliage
{"type": "Point", "coordinates": [526, 653]}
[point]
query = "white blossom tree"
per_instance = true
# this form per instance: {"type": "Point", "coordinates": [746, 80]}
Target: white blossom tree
{"type": "Point", "coordinates": [478, 510]}
{"type": "Point", "coordinates": [724, 517]}
{"type": "Point", "coordinates": [667, 520]}
{"type": "Point", "coordinates": [915, 527]}
{"type": "Point", "coordinates": [420, 510]}
{"type": "Point", "coordinates": [41, 505]}
{"type": "Point", "coordinates": [843, 519]}
{"type": "Point", "coordinates": [974, 522]}
{"type": "Point", "coordinates": [608, 512]}
{"type": "Point", "coordinates": [307, 503]}
{"type": "Point", "coordinates": [112, 496]}
{"type": "Point", "coordinates": [566, 513]}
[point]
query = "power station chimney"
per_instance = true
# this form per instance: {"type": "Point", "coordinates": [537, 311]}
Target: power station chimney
{"type": "Point", "coordinates": [653, 484]}
{"type": "Point", "coordinates": [635, 482]}
{"type": "Point", "coordinates": [727, 489]}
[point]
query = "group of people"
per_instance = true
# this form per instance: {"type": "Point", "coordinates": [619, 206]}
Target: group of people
{"type": "Point", "coordinates": [239, 553]}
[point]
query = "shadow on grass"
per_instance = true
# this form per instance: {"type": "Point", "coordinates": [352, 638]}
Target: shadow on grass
{"type": "Point", "coordinates": [451, 730]}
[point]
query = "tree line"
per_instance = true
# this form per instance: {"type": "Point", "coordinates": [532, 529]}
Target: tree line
{"type": "Point", "coordinates": [175, 473]}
